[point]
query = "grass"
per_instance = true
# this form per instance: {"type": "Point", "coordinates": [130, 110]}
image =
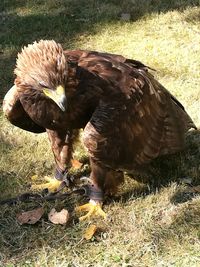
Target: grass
{"type": "Point", "coordinates": [146, 227]}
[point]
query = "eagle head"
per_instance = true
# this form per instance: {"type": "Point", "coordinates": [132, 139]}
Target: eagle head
{"type": "Point", "coordinates": [42, 66]}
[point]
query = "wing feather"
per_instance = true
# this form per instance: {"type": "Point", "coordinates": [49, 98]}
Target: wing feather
{"type": "Point", "coordinates": [16, 114]}
{"type": "Point", "coordinates": [151, 123]}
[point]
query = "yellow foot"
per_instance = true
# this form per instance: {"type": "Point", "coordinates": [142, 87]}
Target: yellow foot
{"type": "Point", "coordinates": [52, 184]}
{"type": "Point", "coordinates": [93, 208]}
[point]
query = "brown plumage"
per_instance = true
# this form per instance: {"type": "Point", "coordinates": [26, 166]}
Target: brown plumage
{"type": "Point", "coordinates": [128, 117]}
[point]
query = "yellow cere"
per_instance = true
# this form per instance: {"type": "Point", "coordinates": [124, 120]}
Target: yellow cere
{"type": "Point", "coordinates": [60, 90]}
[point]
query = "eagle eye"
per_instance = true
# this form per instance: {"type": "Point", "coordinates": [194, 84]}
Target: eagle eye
{"type": "Point", "coordinates": [43, 84]}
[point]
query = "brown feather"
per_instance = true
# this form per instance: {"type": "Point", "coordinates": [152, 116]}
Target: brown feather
{"type": "Point", "coordinates": [128, 117]}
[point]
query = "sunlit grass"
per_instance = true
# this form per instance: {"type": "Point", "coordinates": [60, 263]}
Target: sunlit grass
{"type": "Point", "coordinates": [144, 227]}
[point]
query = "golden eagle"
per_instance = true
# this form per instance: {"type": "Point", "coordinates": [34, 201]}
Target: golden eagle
{"type": "Point", "coordinates": [128, 117]}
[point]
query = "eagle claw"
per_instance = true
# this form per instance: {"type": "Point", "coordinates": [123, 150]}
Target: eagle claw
{"type": "Point", "coordinates": [93, 208]}
{"type": "Point", "coordinates": [52, 185]}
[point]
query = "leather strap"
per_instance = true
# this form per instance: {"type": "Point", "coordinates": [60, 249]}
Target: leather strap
{"type": "Point", "coordinates": [93, 192]}
{"type": "Point", "coordinates": [64, 177]}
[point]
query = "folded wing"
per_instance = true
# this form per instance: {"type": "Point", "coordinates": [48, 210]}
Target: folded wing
{"type": "Point", "coordinates": [16, 114]}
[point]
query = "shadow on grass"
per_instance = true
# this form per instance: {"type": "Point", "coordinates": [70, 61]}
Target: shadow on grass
{"type": "Point", "coordinates": [6, 76]}
{"type": "Point", "coordinates": [7, 182]}
{"type": "Point", "coordinates": [23, 22]}
{"type": "Point", "coordinates": [8, 179]}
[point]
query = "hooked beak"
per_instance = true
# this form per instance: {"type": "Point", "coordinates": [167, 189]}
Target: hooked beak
{"type": "Point", "coordinates": [58, 96]}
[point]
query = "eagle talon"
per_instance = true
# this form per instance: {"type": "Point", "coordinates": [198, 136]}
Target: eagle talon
{"type": "Point", "coordinates": [52, 185]}
{"type": "Point", "coordinates": [93, 208]}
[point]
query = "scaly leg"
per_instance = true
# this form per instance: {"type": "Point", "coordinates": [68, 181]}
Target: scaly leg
{"type": "Point", "coordinates": [95, 191]}
{"type": "Point", "coordinates": [61, 144]}
{"type": "Point", "coordinates": [102, 180]}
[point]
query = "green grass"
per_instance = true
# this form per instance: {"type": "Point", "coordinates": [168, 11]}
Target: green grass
{"type": "Point", "coordinates": [146, 226]}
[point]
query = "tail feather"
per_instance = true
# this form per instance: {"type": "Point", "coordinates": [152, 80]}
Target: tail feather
{"type": "Point", "coordinates": [176, 125]}
{"type": "Point", "coordinates": [176, 122]}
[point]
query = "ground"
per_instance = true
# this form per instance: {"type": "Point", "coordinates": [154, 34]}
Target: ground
{"type": "Point", "coordinates": [147, 225]}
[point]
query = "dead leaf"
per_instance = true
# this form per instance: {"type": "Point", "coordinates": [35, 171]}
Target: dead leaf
{"type": "Point", "coordinates": [61, 217]}
{"type": "Point", "coordinates": [90, 231]}
{"type": "Point", "coordinates": [30, 217]}
{"type": "Point", "coordinates": [76, 164]}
